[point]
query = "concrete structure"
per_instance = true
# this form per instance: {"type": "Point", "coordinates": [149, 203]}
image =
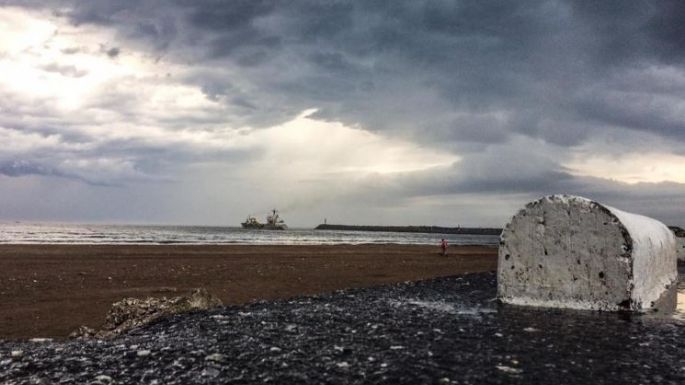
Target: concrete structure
{"type": "Point", "coordinates": [571, 252]}
{"type": "Point", "coordinates": [680, 241]}
{"type": "Point", "coordinates": [680, 247]}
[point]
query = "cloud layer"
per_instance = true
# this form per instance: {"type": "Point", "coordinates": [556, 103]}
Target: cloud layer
{"type": "Point", "coordinates": [473, 107]}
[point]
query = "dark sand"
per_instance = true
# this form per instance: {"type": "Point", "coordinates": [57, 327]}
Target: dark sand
{"type": "Point", "coordinates": [50, 290]}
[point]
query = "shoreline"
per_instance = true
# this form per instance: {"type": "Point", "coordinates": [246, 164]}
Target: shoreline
{"type": "Point", "coordinates": [237, 243]}
{"type": "Point", "coordinates": [49, 290]}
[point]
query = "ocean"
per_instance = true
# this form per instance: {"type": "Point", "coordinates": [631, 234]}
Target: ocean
{"type": "Point", "coordinates": [60, 233]}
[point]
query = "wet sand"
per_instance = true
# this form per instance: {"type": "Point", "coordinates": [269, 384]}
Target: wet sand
{"type": "Point", "coordinates": [50, 290]}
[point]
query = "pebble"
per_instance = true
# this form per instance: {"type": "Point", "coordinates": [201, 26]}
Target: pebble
{"type": "Point", "coordinates": [210, 372]}
{"type": "Point", "coordinates": [104, 379]}
{"type": "Point", "coordinates": [216, 357]}
{"type": "Point", "coordinates": [143, 353]}
{"type": "Point", "coordinates": [40, 340]}
{"type": "Point", "coordinates": [509, 369]}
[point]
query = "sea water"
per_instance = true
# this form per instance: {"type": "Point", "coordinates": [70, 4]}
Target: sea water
{"type": "Point", "coordinates": [41, 233]}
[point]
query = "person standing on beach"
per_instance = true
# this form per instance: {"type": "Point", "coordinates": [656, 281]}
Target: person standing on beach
{"type": "Point", "coordinates": [443, 246]}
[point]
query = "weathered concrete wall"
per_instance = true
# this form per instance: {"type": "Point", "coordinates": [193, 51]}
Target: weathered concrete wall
{"type": "Point", "coordinates": [571, 252]}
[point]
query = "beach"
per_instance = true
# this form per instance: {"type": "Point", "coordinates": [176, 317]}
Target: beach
{"type": "Point", "coordinates": [50, 290]}
{"type": "Point", "coordinates": [444, 330]}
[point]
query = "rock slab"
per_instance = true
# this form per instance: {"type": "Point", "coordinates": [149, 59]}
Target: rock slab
{"type": "Point", "coordinates": [131, 313]}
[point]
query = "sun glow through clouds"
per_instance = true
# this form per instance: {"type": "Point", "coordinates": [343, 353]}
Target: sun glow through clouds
{"type": "Point", "coordinates": [632, 168]}
{"type": "Point", "coordinates": [305, 145]}
{"type": "Point", "coordinates": [42, 57]}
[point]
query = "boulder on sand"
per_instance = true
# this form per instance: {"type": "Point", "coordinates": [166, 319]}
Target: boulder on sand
{"type": "Point", "coordinates": [571, 252]}
{"type": "Point", "coordinates": [130, 313]}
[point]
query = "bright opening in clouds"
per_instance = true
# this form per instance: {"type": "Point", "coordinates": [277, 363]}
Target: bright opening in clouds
{"type": "Point", "coordinates": [633, 168]}
{"type": "Point", "coordinates": [306, 147]}
{"type": "Point", "coordinates": [368, 112]}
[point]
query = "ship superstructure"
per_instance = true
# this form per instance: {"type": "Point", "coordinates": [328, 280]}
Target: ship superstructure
{"type": "Point", "coordinates": [273, 222]}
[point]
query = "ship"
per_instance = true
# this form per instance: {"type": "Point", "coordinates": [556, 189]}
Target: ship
{"type": "Point", "coordinates": [273, 222]}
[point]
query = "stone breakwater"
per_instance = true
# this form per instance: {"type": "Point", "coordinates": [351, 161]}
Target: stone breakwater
{"type": "Point", "coordinates": [444, 331]}
{"type": "Point", "coordinates": [414, 229]}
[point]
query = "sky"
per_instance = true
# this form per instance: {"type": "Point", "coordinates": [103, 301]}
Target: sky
{"type": "Point", "coordinates": [361, 112]}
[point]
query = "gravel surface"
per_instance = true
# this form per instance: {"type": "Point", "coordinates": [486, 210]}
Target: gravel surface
{"type": "Point", "coordinates": [440, 331]}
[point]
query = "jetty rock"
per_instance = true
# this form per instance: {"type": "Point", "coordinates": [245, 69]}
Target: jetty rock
{"type": "Point", "coordinates": [571, 252]}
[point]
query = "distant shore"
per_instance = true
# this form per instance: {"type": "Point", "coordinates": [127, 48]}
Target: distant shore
{"type": "Point", "coordinates": [50, 290]}
{"type": "Point", "coordinates": [415, 229]}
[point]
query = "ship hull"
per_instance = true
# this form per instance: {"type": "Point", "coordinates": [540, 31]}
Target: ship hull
{"type": "Point", "coordinates": [263, 226]}
{"type": "Point", "coordinates": [252, 226]}
{"type": "Point", "coordinates": [274, 227]}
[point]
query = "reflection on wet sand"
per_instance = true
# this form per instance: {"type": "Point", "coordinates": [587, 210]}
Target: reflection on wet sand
{"type": "Point", "coordinates": [680, 304]}
{"type": "Point", "coordinates": [672, 304]}
{"type": "Point", "coordinates": [679, 312]}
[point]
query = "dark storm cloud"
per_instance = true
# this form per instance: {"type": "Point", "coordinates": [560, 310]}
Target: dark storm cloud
{"type": "Point", "coordinates": [639, 111]}
{"type": "Point", "coordinates": [667, 30]}
{"type": "Point", "coordinates": [637, 28]}
{"type": "Point", "coordinates": [489, 173]}
{"type": "Point", "coordinates": [20, 168]}
{"type": "Point", "coordinates": [414, 66]}
{"type": "Point", "coordinates": [534, 60]}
